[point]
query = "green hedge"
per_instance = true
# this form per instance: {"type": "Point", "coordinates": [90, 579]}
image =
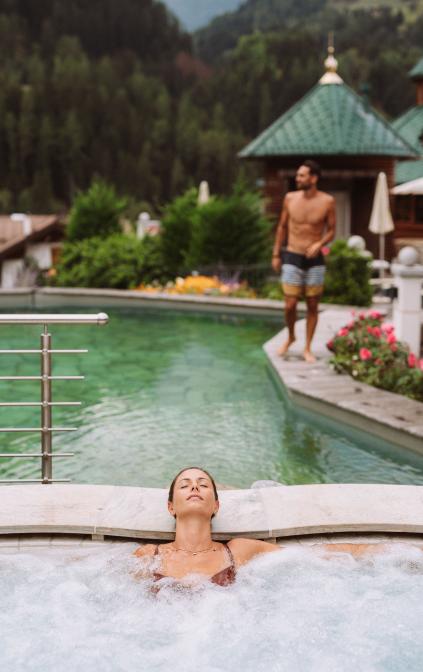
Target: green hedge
{"type": "Point", "coordinates": [95, 212]}
{"type": "Point", "coordinates": [347, 276]}
{"type": "Point", "coordinates": [228, 230]}
{"type": "Point", "coordinates": [118, 262]}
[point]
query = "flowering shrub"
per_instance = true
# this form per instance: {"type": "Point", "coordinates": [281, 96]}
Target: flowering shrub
{"type": "Point", "coordinates": [201, 284]}
{"type": "Point", "coordinates": [368, 350]}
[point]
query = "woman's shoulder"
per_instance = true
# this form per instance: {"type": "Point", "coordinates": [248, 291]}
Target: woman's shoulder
{"type": "Point", "coordinates": [244, 549]}
{"type": "Point", "coordinates": [145, 550]}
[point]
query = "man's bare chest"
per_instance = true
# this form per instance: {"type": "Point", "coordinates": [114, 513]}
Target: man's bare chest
{"type": "Point", "coordinates": [311, 214]}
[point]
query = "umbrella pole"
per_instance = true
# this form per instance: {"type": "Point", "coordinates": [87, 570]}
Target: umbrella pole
{"type": "Point", "coordinates": [382, 254]}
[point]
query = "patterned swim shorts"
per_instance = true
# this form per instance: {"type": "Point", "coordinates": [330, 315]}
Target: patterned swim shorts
{"type": "Point", "coordinates": [302, 275]}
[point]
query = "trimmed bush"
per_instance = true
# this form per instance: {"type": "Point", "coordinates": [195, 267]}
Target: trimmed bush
{"type": "Point", "coordinates": [227, 231]}
{"type": "Point", "coordinates": [118, 262]}
{"type": "Point", "coordinates": [176, 230]}
{"type": "Point", "coordinates": [230, 230]}
{"type": "Point", "coordinates": [347, 276]}
{"type": "Point", "coordinates": [95, 212]}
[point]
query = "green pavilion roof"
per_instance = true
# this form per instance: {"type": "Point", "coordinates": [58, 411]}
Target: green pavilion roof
{"type": "Point", "coordinates": [410, 127]}
{"type": "Point", "coordinates": [405, 171]}
{"type": "Point", "coordinates": [330, 120]}
{"type": "Point", "coordinates": [417, 71]}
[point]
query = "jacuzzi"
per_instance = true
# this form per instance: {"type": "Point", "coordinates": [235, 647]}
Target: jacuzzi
{"type": "Point", "coordinates": [71, 600]}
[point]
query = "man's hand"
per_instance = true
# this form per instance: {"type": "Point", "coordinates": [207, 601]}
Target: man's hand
{"type": "Point", "coordinates": [276, 264]}
{"type": "Point", "coordinates": [313, 250]}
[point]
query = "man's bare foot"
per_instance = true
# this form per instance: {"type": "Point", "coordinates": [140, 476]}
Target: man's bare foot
{"type": "Point", "coordinates": [284, 348]}
{"type": "Point", "coordinates": [309, 357]}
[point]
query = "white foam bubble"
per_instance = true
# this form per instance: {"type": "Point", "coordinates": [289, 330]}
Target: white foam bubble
{"type": "Point", "coordinates": [69, 609]}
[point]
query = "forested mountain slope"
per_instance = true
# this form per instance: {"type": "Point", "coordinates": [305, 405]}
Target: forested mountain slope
{"type": "Point", "coordinates": [266, 15]}
{"type": "Point", "coordinates": [97, 87]}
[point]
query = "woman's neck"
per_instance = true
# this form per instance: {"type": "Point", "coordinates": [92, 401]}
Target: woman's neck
{"type": "Point", "coordinates": [193, 534]}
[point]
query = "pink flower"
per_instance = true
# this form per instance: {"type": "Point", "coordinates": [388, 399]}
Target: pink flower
{"type": "Point", "coordinates": [421, 365]}
{"type": "Point", "coordinates": [350, 325]}
{"type": "Point", "coordinates": [329, 345]}
{"type": "Point", "coordinates": [374, 331]}
{"type": "Point", "coordinates": [412, 360]}
{"type": "Point", "coordinates": [361, 316]}
{"type": "Point", "coordinates": [375, 315]}
{"type": "Point", "coordinates": [365, 354]}
{"type": "Point", "coordinates": [343, 332]}
{"type": "Point", "coordinates": [391, 338]}
{"type": "Point", "coordinates": [387, 328]}
{"type": "Point", "coordinates": [394, 347]}
{"type": "Point", "coordinates": [325, 250]}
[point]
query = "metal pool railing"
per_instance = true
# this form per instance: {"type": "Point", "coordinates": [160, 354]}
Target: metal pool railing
{"type": "Point", "coordinates": [46, 378]}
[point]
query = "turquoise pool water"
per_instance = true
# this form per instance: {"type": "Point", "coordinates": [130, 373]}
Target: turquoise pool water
{"type": "Point", "coordinates": [163, 391]}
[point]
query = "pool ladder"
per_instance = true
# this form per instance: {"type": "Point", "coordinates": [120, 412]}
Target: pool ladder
{"type": "Point", "coordinates": [46, 378]}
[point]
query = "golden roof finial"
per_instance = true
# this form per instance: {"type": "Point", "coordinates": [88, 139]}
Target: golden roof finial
{"type": "Point", "coordinates": [331, 64]}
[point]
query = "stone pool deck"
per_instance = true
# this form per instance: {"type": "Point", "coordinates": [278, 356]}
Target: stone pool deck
{"type": "Point", "coordinates": [316, 387]}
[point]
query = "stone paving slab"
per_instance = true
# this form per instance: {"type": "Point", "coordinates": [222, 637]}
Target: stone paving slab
{"type": "Point", "coordinates": [316, 387]}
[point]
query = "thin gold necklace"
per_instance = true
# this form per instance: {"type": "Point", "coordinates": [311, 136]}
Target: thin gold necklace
{"type": "Point", "coordinates": [184, 550]}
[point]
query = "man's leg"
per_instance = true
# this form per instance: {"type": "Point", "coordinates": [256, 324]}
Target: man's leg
{"type": "Point", "coordinates": [312, 317]}
{"type": "Point", "coordinates": [290, 317]}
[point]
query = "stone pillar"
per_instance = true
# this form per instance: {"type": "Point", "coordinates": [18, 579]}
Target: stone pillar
{"type": "Point", "coordinates": [408, 306]}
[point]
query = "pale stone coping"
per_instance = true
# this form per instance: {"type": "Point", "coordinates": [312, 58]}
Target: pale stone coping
{"type": "Point", "coordinates": [263, 513]}
{"type": "Point", "coordinates": [84, 545]}
{"type": "Point", "coordinates": [47, 297]}
{"type": "Point", "coordinates": [317, 388]}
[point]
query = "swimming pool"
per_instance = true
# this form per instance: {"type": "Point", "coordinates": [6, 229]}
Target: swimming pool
{"type": "Point", "coordinates": [67, 608]}
{"type": "Point", "coordinates": [166, 390]}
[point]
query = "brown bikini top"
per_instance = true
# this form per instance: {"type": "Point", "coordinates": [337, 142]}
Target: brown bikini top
{"type": "Point", "coordinates": [225, 577]}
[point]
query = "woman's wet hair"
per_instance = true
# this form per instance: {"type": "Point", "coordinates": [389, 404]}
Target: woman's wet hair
{"type": "Point", "coordinates": [172, 485]}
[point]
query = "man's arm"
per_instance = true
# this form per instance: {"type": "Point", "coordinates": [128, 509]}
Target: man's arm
{"type": "Point", "coordinates": [281, 233]}
{"type": "Point", "coordinates": [330, 230]}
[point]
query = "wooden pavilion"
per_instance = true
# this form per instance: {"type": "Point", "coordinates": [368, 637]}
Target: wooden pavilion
{"type": "Point", "coordinates": [351, 141]}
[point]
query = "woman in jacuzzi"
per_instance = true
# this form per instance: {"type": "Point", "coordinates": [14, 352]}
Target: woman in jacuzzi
{"type": "Point", "coordinates": [193, 501]}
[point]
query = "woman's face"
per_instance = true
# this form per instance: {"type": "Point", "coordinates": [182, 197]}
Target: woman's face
{"type": "Point", "coordinates": [193, 492]}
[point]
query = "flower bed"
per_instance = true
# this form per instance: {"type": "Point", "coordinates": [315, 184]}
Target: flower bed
{"type": "Point", "coordinates": [367, 349]}
{"type": "Point", "coordinates": [201, 284]}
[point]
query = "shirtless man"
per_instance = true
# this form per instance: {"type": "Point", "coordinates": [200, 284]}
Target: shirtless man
{"type": "Point", "coordinates": [308, 222]}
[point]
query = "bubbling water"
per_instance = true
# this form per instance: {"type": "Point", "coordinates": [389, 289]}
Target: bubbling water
{"type": "Point", "coordinates": [294, 610]}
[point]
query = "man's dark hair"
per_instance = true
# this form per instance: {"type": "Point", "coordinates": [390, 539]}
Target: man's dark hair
{"type": "Point", "coordinates": [313, 167]}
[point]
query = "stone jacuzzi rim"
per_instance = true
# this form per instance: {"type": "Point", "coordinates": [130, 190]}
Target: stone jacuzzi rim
{"type": "Point", "coordinates": [271, 513]}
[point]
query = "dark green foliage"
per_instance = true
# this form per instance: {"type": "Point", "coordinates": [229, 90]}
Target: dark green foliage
{"type": "Point", "coordinates": [116, 89]}
{"type": "Point", "coordinates": [177, 231]}
{"type": "Point", "coordinates": [229, 230]}
{"type": "Point", "coordinates": [347, 277]}
{"type": "Point", "coordinates": [95, 212]}
{"type": "Point", "coordinates": [118, 262]}
{"type": "Point", "coordinates": [226, 231]}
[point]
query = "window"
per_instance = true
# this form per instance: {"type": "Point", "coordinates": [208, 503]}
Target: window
{"type": "Point", "coordinates": [419, 209]}
{"type": "Point", "coordinates": [403, 208]}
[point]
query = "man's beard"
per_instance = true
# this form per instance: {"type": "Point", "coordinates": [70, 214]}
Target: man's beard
{"type": "Point", "coordinates": [303, 187]}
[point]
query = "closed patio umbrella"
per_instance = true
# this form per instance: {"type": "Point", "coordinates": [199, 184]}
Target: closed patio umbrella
{"type": "Point", "coordinates": [414, 187]}
{"type": "Point", "coordinates": [381, 221]}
